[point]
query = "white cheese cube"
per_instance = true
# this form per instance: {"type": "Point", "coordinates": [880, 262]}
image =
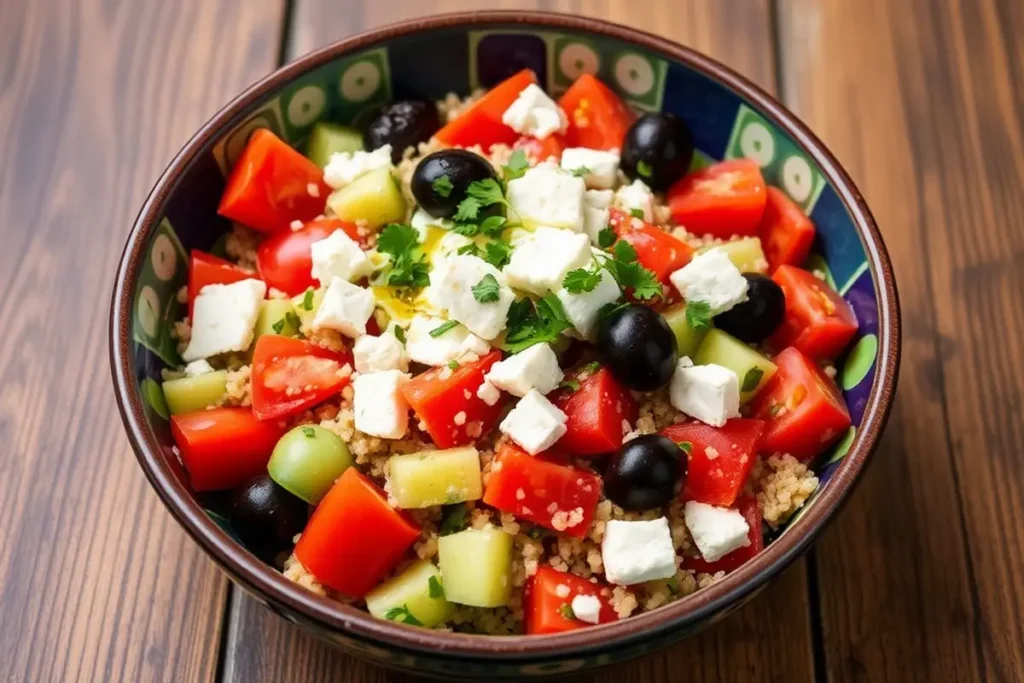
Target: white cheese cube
{"type": "Point", "coordinates": [421, 220]}
{"type": "Point", "coordinates": [713, 278]}
{"type": "Point", "coordinates": [716, 531]}
{"type": "Point", "coordinates": [344, 167]}
{"type": "Point", "coordinates": [582, 309]}
{"type": "Point", "coordinates": [709, 393]}
{"type": "Point", "coordinates": [603, 165]}
{"type": "Point", "coordinates": [198, 367]}
{"type": "Point", "coordinates": [380, 408]}
{"type": "Point", "coordinates": [535, 424]}
{"type": "Point", "coordinates": [452, 290]}
{"type": "Point", "coordinates": [547, 196]}
{"type": "Point", "coordinates": [338, 255]}
{"type": "Point", "coordinates": [345, 308]}
{"type": "Point", "coordinates": [598, 199]}
{"type": "Point", "coordinates": [535, 114]}
{"type": "Point", "coordinates": [586, 608]}
{"type": "Point", "coordinates": [636, 196]}
{"type": "Point", "coordinates": [540, 261]}
{"type": "Point", "coordinates": [535, 367]}
{"type": "Point", "coordinates": [595, 213]}
{"type": "Point", "coordinates": [223, 318]}
{"type": "Point", "coordinates": [377, 354]}
{"type": "Point", "coordinates": [488, 393]}
{"type": "Point", "coordinates": [635, 552]}
{"type": "Point", "coordinates": [453, 344]}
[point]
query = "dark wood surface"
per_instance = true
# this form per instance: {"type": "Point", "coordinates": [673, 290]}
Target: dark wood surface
{"type": "Point", "coordinates": [920, 577]}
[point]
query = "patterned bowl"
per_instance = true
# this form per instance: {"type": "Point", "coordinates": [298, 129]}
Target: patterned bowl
{"type": "Point", "coordinates": [729, 117]}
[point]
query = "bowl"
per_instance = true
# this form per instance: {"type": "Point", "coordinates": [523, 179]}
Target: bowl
{"type": "Point", "coordinates": [729, 117]}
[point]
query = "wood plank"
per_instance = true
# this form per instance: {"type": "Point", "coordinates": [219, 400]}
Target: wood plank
{"type": "Point", "coordinates": [261, 647]}
{"type": "Point", "coordinates": [922, 100]}
{"type": "Point", "coordinates": [96, 580]}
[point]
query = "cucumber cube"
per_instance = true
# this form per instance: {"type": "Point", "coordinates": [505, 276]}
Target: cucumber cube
{"type": "Point", "coordinates": [687, 339]}
{"type": "Point", "coordinates": [277, 316]}
{"type": "Point", "coordinates": [305, 305]}
{"type": "Point", "coordinates": [189, 394]}
{"type": "Point", "coordinates": [420, 480]}
{"type": "Point", "coordinates": [331, 138]}
{"type": "Point", "coordinates": [475, 564]}
{"type": "Point", "coordinates": [373, 197]}
{"type": "Point", "coordinates": [752, 368]}
{"type": "Point", "coordinates": [746, 254]}
{"type": "Point", "coordinates": [416, 596]}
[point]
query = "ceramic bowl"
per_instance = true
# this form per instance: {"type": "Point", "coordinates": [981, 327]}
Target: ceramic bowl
{"type": "Point", "coordinates": [729, 117]}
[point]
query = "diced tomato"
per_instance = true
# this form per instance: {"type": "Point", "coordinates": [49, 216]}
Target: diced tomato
{"type": "Point", "coordinates": [290, 375]}
{"type": "Point", "coordinates": [284, 259]}
{"type": "Point", "coordinates": [437, 396]}
{"type": "Point", "coordinates": [480, 124]}
{"type": "Point", "coordinates": [656, 250]}
{"type": "Point", "coordinates": [801, 406]}
{"type": "Point", "coordinates": [595, 414]}
{"type": "Point", "coordinates": [546, 609]}
{"type": "Point", "coordinates": [272, 185]}
{"type": "Point", "coordinates": [818, 321]}
{"type": "Point", "coordinates": [542, 491]}
{"type": "Point", "coordinates": [222, 448]}
{"type": "Point", "coordinates": [540, 150]}
{"type": "Point", "coordinates": [598, 118]}
{"type": "Point", "coordinates": [786, 233]}
{"type": "Point", "coordinates": [207, 269]}
{"type": "Point", "coordinates": [720, 458]}
{"type": "Point", "coordinates": [354, 538]}
{"type": "Point", "coordinates": [747, 507]}
{"type": "Point", "coordinates": [722, 200]}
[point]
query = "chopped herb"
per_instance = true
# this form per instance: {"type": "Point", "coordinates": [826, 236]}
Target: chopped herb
{"type": "Point", "coordinates": [292, 320]}
{"type": "Point", "coordinates": [493, 226]}
{"type": "Point", "coordinates": [403, 615]}
{"type": "Point", "coordinates": [434, 588]}
{"type": "Point", "coordinates": [685, 446]}
{"type": "Point", "coordinates": [590, 368]}
{"type": "Point", "coordinates": [532, 323]}
{"type": "Point", "coordinates": [630, 274]}
{"type": "Point", "coordinates": [516, 166]}
{"type": "Point", "coordinates": [698, 315]}
{"type": "Point", "coordinates": [470, 249]}
{"type": "Point", "coordinates": [498, 253]}
{"type": "Point", "coordinates": [582, 279]}
{"type": "Point", "coordinates": [565, 609]}
{"type": "Point", "coordinates": [443, 327]}
{"type": "Point", "coordinates": [453, 365]}
{"type": "Point", "coordinates": [466, 229]}
{"type": "Point", "coordinates": [309, 432]}
{"type": "Point", "coordinates": [479, 194]}
{"type": "Point", "coordinates": [454, 521]}
{"type": "Point", "coordinates": [442, 186]}
{"type": "Point", "coordinates": [399, 334]}
{"type": "Point", "coordinates": [487, 291]}
{"type": "Point", "coordinates": [752, 379]}
{"type": "Point", "coordinates": [570, 384]}
{"type": "Point", "coordinates": [608, 310]}
{"type": "Point", "coordinates": [580, 171]}
{"type": "Point", "coordinates": [643, 169]}
{"type": "Point", "coordinates": [637, 213]}
{"type": "Point", "coordinates": [624, 252]}
{"type": "Point", "coordinates": [278, 327]}
{"type": "Point", "coordinates": [307, 300]}
{"type": "Point", "coordinates": [673, 585]}
{"type": "Point", "coordinates": [606, 238]}
{"type": "Point", "coordinates": [408, 265]}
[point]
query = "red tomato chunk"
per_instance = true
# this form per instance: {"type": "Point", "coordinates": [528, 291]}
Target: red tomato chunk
{"type": "Point", "coordinates": [549, 593]}
{"type": "Point", "coordinates": [480, 123]}
{"type": "Point", "coordinates": [818, 321]}
{"type": "Point", "coordinates": [596, 412]}
{"type": "Point", "coordinates": [722, 200]}
{"type": "Point", "coordinates": [786, 233]}
{"type": "Point", "coordinates": [598, 118]}
{"type": "Point", "coordinates": [720, 458]}
{"type": "Point", "coordinates": [284, 259]}
{"type": "Point", "coordinates": [290, 375]}
{"type": "Point", "coordinates": [656, 250]}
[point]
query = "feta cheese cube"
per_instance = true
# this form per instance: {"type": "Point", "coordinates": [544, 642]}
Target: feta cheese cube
{"type": "Point", "coordinates": [380, 408]}
{"type": "Point", "coordinates": [535, 114]}
{"type": "Point", "coordinates": [636, 196]}
{"type": "Point", "coordinates": [598, 199]}
{"type": "Point", "coordinates": [595, 213]}
{"type": "Point", "coordinates": [711, 277]}
{"type": "Point", "coordinates": [709, 393]}
{"type": "Point", "coordinates": [547, 196]}
{"type": "Point", "coordinates": [377, 354]}
{"type": "Point", "coordinates": [345, 308]}
{"type": "Point", "coordinates": [635, 552]}
{"type": "Point", "coordinates": [540, 261]}
{"type": "Point", "coordinates": [344, 167]}
{"type": "Point", "coordinates": [716, 531]}
{"type": "Point", "coordinates": [582, 309]}
{"type": "Point", "coordinates": [338, 255]}
{"type": "Point", "coordinates": [587, 608]}
{"type": "Point", "coordinates": [223, 318]}
{"type": "Point", "coordinates": [488, 393]}
{"type": "Point", "coordinates": [535, 367]}
{"type": "Point", "coordinates": [452, 291]}
{"type": "Point", "coordinates": [603, 165]}
{"type": "Point", "coordinates": [436, 351]}
{"type": "Point", "coordinates": [421, 220]}
{"type": "Point", "coordinates": [535, 424]}
{"type": "Point", "coordinates": [198, 367]}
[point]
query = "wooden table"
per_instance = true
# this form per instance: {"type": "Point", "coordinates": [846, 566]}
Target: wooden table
{"type": "Point", "coordinates": [920, 578]}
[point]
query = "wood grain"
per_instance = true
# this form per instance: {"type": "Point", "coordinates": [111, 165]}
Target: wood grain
{"type": "Point", "coordinates": [96, 580]}
{"type": "Point", "coordinates": [922, 101]}
{"type": "Point", "coordinates": [261, 647]}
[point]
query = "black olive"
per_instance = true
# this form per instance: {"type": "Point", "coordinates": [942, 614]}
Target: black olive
{"type": "Point", "coordinates": [646, 473]}
{"type": "Point", "coordinates": [266, 517]}
{"type": "Point", "coordinates": [638, 347]}
{"type": "Point", "coordinates": [402, 125]}
{"type": "Point", "coordinates": [755, 319]}
{"type": "Point", "coordinates": [460, 167]}
{"type": "Point", "coordinates": [658, 150]}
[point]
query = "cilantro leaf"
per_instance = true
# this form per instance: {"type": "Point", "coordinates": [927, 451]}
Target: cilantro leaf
{"type": "Point", "coordinates": [752, 379]}
{"type": "Point", "coordinates": [685, 446]}
{"type": "Point", "coordinates": [645, 285]}
{"type": "Point", "coordinates": [637, 213]}
{"type": "Point", "coordinates": [492, 226]}
{"type": "Point", "coordinates": [292, 320]}
{"type": "Point", "coordinates": [487, 291]}
{"type": "Point", "coordinates": [403, 615]}
{"type": "Point", "coordinates": [466, 229]}
{"type": "Point", "coordinates": [469, 209]}
{"type": "Point", "coordinates": [309, 432]}
{"type": "Point", "coordinates": [470, 249]}
{"type": "Point", "coordinates": [453, 365]}
{"type": "Point", "coordinates": [516, 166]}
{"type": "Point", "coordinates": [606, 238]}
{"type": "Point", "coordinates": [307, 300]}
{"type": "Point", "coordinates": [454, 520]}
{"type": "Point", "coordinates": [442, 186]}
{"type": "Point", "coordinates": [407, 265]}
{"type": "Point", "coordinates": [582, 280]}
{"type": "Point", "coordinates": [698, 315]}
{"type": "Point", "coordinates": [443, 327]}
{"type": "Point", "coordinates": [644, 169]}
{"type": "Point", "coordinates": [570, 384]}
{"type": "Point", "coordinates": [434, 588]}
{"type": "Point", "coordinates": [532, 323]}
{"type": "Point", "coordinates": [497, 253]}
{"type": "Point", "coordinates": [624, 252]}
{"type": "Point", "coordinates": [399, 334]}
{"type": "Point", "coordinates": [565, 609]}
{"type": "Point", "coordinates": [487, 191]}
{"type": "Point", "coordinates": [590, 368]}
{"type": "Point", "coordinates": [630, 274]}
{"type": "Point", "coordinates": [580, 171]}
{"type": "Point", "coordinates": [278, 327]}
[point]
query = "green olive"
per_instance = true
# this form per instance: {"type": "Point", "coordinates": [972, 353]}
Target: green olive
{"type": "Point", "coordinates": [307, 460]}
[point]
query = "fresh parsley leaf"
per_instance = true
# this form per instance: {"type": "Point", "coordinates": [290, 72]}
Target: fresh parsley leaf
{"type": "Point", "coordinates": [469, 209]}
{"type": "Point", "coordinates": [487, 291]}
{"type": "Point", "coordinates": [442, 186]}
{"type": "Point", "coordinates": [487, 191]}
{"type": "Point", "coordinates": [434, 588]}
{"type": "Point", "coordinates": [698, 315]}
{"type": "Point", "coordinates": [278, 327]}
{"type": "Point", "coordinates": [292, 320]}
{"type": "Point", "coordinates": [470, 249]}
{"type": "Point", "coordinates": [582, 279]}
{"type": "Point", "coordinates": [752, 379]}
{"type": "Point", "coordinates": [580, 171]}
{"type": "Point", "coordinates": [637, 213]}
{"type": "Point", "coordinates": [307, 300]}
{"type": "Point", "coordinates": [643, 169]}
{"type": "Point", "coordinates": [624, 252]}
{"type": "Point", "coordinates": [565, 609]}
{"type": "Point", "coordinates": [443, 327]}
{"type": "Point", "coordinates": [407, 265]}
{"type": "Point", "coordinates": [454, 521]}
{"type": "Point", "coordinates": [309, 432]}
{"type": "Point", "coordinates": [399, 334]}
{"type": "Point", "coordinates": [403, 615]}
{"type": "Point", "coordinates": [532, 323]}
{"type": "Point", "coordinates": [630, 274]}
{"type": "Point", "coordinates": [570, 384]}
{"type": "Point", "coordinates": [685, 446]}
{"type": "Point", "coordinates": [498, 253]}
{"type": "Point", "coordinates": [516, 166]}
{"type": "Point", "coordinates": [493, 226]}
{"type": "Point", "coordinates": [589, 369]}
{"type": "Point", "coordinates": [453, 365]}
{"type": "Point", "coordinates": [606, 238]}
{"type": "Point", "coordinates": [645, 285]}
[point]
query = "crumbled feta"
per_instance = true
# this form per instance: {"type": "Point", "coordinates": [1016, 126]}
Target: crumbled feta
{"type": "Point", "coordinates": [635, 552]}
{"type": "Point", "coordinates": [198, 367]}
{"type": "Point", "coordinates": [716, 531]}
{"type": "Point", "coordinates": [595, 213]}
{"type": "Point", "coordinates": [636, 196]}
{"type": "Point", "coordinates": [488, 393]}
{"type": "Point", "coordinates": [376, 354]}
{"type": "Point", "coordinates": [711, 277]}
{"type": "Point", "coordinates": [344, 167]}
{"type": "Point", "coordinates": [535, 367]}
{"type": "Point", "coordinates": [437, 351]}
{"type": "Point", "coordinates": [379, 406]}
{"type": "Point", "coordinates": [535, 114]}
{"type": "Point", "coordinates": [223, 318]}
{"type": "Point", "coordinates": [338, 255]}
{"type": "Point", "coordinates": [535, 424]}
{"type": "Point", "coordinates": [540, 261]}
{"type": "Point", "coordinates": [421, 220]}
{"type": "Point", "coordinates": [582, 309]}
{"type": "Point", "coordinates": [603, 165]}
{"type": "Point", "coordinates": [451, 290]}
{"type": "Point", "coordinates": [547, 196]}
{"type": "Point", "coordinates": [710, 393]}
{"type": "Point", "coordinates": [587, 608]}
{"type": "Point", "coordinates": [345, 308]}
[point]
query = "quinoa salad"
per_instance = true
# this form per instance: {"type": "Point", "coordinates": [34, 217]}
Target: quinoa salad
{"type": "Point", "coordinates": [506, 364]}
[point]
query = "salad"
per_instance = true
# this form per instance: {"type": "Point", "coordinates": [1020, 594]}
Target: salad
{"type": "Point", "coordinates": [506, 364]}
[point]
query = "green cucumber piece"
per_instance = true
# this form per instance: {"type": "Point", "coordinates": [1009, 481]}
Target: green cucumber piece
{"type": "Point", "coordinates": [307, 460]}
{"type": "Point", "coordinates": [331, 138]}
{"type": "Point", "coordinates": [723, 349]}
{"type": "Point", "coordinates": [306, 304]}
{"type": "Point", "coordinates": [416, 596]}
{"type": "Point", "coordinates": [687, 339]}
{"type": "Point", "coordinates": [277, 316]}
{"type": "Point", "coordinates": [189, 394]}
{"type": "Point", "coordinates": [475, 564]}
{"type": "Point", "coordinates": [373, 197]}
{"type": "Point", "coordinates": [746, 254]}
{"type": "Point", "coordinates": [420, 480]}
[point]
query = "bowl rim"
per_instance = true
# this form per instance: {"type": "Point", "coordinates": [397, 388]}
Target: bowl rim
{"type": "Point", "coordinates": [268, 584]}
